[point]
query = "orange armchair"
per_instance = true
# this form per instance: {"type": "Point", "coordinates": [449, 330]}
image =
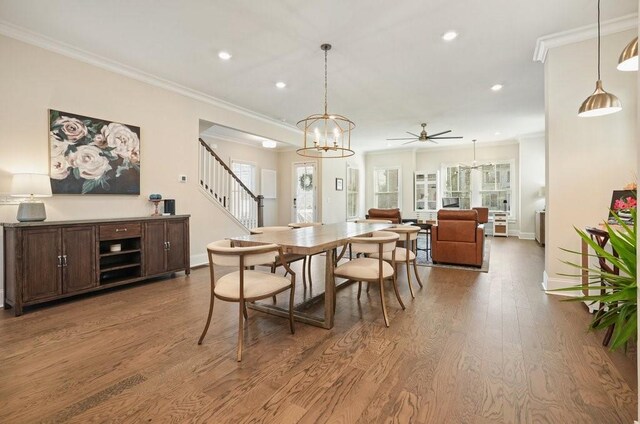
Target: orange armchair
{"type": "Point", "coordinates": [457, 238]}
{"type": "Point", "coordinates": [392, 215]}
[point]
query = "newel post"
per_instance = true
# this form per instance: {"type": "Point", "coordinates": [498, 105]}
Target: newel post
{"type": "Point", "coordinates": [260, 210]}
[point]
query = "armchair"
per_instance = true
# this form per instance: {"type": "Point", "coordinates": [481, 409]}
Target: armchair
{"type": "Point", "coordinates": [392, 215]}
{"type": "Point", "coordinates": [457, 238]}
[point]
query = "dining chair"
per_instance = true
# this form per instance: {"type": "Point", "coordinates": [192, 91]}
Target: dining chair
{"type": "Point", "coordinates": [373, 221]}
{"type": "Point", "coordinates": [409, 236]}
{"type": "Point", "coordinates": [289, 258]}
{"type": "Point", "coordinates": [372, 270]}
{"type": "Point", "coordinates": [295, 225]}
{"type": "Point", "coordinates": [245, 285]}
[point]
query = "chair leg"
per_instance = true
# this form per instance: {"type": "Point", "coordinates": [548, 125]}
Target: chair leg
{"type": "Point", "coordinates": [407, 265]}
{"type": "Point", "coordinates": [415, 269]}
{"type": "Point", "coordinates": [274, 299]}
{"type": "Point", "coordinates": [206, 327]}
{"type": "Point", "coordinates": [359, 289]}
{"type": "Point", "coordinates": [368, 287]}
{"type": "Point", "coordinates": [607, 336]}
{"type": "Point", "coordinates": [244, 311]}
{"type": "Point", "coordinates": [291, 299]}
{"type": "Point", "coordinates": [395, 288]}
{"type": "Point", "coordinates": [304, 275]}
{"type": "Point", "coordinates": [309, 270]}
{"type": "Point", "coordinates": [240, 331]}
{"type": "Point", "coordinates": [382, 302]}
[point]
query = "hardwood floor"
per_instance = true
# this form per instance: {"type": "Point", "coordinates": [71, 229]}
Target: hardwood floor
{"type": "Point", "coordinates": [471, 348]}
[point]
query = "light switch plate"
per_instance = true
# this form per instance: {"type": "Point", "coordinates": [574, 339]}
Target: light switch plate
{"type": "Point", "coordinates": [182, 178]}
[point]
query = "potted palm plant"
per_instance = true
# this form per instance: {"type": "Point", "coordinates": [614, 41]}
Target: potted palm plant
{"type": "Point", "coordinates": [618, 300]}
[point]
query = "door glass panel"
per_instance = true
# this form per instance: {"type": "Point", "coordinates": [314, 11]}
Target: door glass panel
{"type": "Point", "coordinates": [304, 203]}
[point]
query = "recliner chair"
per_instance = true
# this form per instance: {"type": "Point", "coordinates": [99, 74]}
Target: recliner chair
{"type": "Point", "coordinates": [457, 238]}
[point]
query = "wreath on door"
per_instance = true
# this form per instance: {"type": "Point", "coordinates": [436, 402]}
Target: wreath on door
{"type": "Point", "coordinates": [306, 181]}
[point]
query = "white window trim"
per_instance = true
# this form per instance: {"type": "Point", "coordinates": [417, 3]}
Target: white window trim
{"type": "Point", "coordinates": [387, 168]}
{"type": "Point", "coordinates": [357, 215]}
{"type": "Point", "coordinates": [478, 194]}
{"type": "Point", "coordinates": [256, 181]}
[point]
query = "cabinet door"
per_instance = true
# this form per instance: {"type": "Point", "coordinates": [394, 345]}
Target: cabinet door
{"type": "Point", "coordinates": [176, 254]}
{"type": "Point", "coordinates": [154, 248]}
{"type": "Point", "coordinates": [79, 258]}
{"type": "Point", "coordinates": [41, 269]}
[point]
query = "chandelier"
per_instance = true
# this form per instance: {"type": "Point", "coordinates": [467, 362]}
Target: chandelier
{"type": "Point", "coordinates": [326, 135]}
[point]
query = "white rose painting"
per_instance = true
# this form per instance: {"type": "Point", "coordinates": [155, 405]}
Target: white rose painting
{"type": "Point", "coordinates": [93, 156]}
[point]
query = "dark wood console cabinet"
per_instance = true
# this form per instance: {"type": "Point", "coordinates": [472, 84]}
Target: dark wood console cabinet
{"type": "Point", "coordinates": [45, 261]}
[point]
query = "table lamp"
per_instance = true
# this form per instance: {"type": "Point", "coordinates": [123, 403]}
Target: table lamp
{"type": "Point", "coordinates": [31, 186]}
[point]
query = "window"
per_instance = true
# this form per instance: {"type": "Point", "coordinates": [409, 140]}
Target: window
{"type": "Point", "coordinates": [246, 171]}
{"type": "Point", "coordinates": [353, 191]}
{"type": "Point", "coordinates": [457, 187]}
{"type": "Point", "coordinates": [386, 187]}
{"type": "Point", "coordinates": [489, 186]}
{"type": "Point", "coordinates": [496, 187]}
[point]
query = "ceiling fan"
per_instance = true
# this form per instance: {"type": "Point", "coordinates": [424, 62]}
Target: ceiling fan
{"type": "Point", "coordinates": [475, 165]}
{"type": "Point", "coordinates": [424, 136]}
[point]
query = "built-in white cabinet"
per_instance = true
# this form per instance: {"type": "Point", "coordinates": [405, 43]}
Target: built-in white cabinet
{"type": "Point", "coordinates": [426, 189]}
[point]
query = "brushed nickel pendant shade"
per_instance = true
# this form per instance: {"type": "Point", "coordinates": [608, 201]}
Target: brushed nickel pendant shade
{"type": "Point", "coordinates": [600, 102]}
{"type": "Point", "coordinates": [629, 57]}
{"type": "Point", "coordinates": [326, 135]}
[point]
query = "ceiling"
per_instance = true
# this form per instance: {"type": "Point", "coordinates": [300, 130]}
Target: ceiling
{"type": "Point", "coordinates": [389, 69]}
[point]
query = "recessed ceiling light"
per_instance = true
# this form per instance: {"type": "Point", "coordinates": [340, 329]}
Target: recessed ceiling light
{"type": "Point", "coordinates": [449, 35]}
{"type": "Point", "coordinates": [496, 87]}
{"type": "Point", "coordinates": [224, 55]}
{"type": "Point", "coordinates": [498, 133]}
{"type": "Point", "coordinates": [269, 144]}
{"type": "Point", "coordinates": [281, 84]}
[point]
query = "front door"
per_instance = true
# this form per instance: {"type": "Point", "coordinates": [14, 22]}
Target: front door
{"type": "Point", "coordinates": [304, 192]}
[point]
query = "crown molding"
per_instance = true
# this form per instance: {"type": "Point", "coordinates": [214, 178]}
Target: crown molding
{"type": "Point", "coordinates": [22, 34]}
{"type": "Point", "coordinates": [612, 26]}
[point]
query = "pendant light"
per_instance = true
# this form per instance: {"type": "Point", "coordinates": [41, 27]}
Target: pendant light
{"type": "Point", "coordinates": [326, 135]}
{"type": "Point", "coordinates": [600, 102]}
{"type": "Point", "coordinates": [629, 57]}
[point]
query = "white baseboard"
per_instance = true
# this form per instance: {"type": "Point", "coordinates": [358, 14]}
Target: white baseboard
{"type": "Point", "coordinates": [550, 284]}
{"type": "Point", "coordinates": [527, 236]}
{"type": "Point", "coordinates": [200, 259]}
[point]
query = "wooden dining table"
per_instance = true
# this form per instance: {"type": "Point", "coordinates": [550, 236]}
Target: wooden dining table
{"type": "Point", "coordinates": [311, 241]}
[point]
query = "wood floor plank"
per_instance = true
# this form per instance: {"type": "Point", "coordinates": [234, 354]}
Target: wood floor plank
{"type": "Point", "coordinates": [470, 348]}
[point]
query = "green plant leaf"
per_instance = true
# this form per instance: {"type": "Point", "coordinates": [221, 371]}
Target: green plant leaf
{"type": "Point", "coordinates": [88, 186]}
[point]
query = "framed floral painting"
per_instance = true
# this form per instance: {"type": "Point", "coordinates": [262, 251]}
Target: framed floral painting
{"type": "Point", "coordinates": [93, 156]}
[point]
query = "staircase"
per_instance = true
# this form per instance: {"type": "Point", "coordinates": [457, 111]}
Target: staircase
{"type": "Point", "coordinates": [224, 188]}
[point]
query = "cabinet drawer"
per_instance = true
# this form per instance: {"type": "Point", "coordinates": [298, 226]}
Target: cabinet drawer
{"type": "Point", "coordinates": [120, 231]}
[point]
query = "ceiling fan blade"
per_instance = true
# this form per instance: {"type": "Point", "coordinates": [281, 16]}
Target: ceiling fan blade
{"type": "Point", "coordinates": [442, 138]}
{"type": "Point", "coordinates": [415, 135]}
{"type": "Point", "coordinates": [408, 142]}
{"type": "Point", "coordinates": [440, 133]}
{"type": "Point", "coordinates": [434, 142]}
{"type": "Point", "coordinates": [406, 138]}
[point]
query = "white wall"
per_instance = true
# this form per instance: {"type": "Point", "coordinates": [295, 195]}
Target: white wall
{"type": "Point", "coordinates": [32, 80]}
{"type": "Point", "coordinates": [587, 158]}
{"type": "Point", "coordinates": [261, 157]}
{"type": "Point", "coordinates": [532, 180]}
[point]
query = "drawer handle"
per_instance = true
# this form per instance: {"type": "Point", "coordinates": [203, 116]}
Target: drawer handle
{"type": "Point", "coordinates": [120, 229]}
{"type": "Point", "coordinates": [64, 260]}
{"type": "Point", "coordinates": [59, 261]}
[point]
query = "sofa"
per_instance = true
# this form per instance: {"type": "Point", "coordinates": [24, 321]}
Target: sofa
{"type": "Point", "coordinates": [458, 238]}
{"type": "Point", "coordinates": [483, 214]}
{"type": "Point", "coordinates": [392, 215]}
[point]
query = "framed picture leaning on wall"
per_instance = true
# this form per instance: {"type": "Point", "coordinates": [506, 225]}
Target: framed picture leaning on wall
{"type": "Point", "coordinates": [93, 156]}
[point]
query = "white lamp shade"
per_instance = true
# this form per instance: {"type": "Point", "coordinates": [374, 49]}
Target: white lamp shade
{"type": "Point", "coordinates": [36, 185]}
